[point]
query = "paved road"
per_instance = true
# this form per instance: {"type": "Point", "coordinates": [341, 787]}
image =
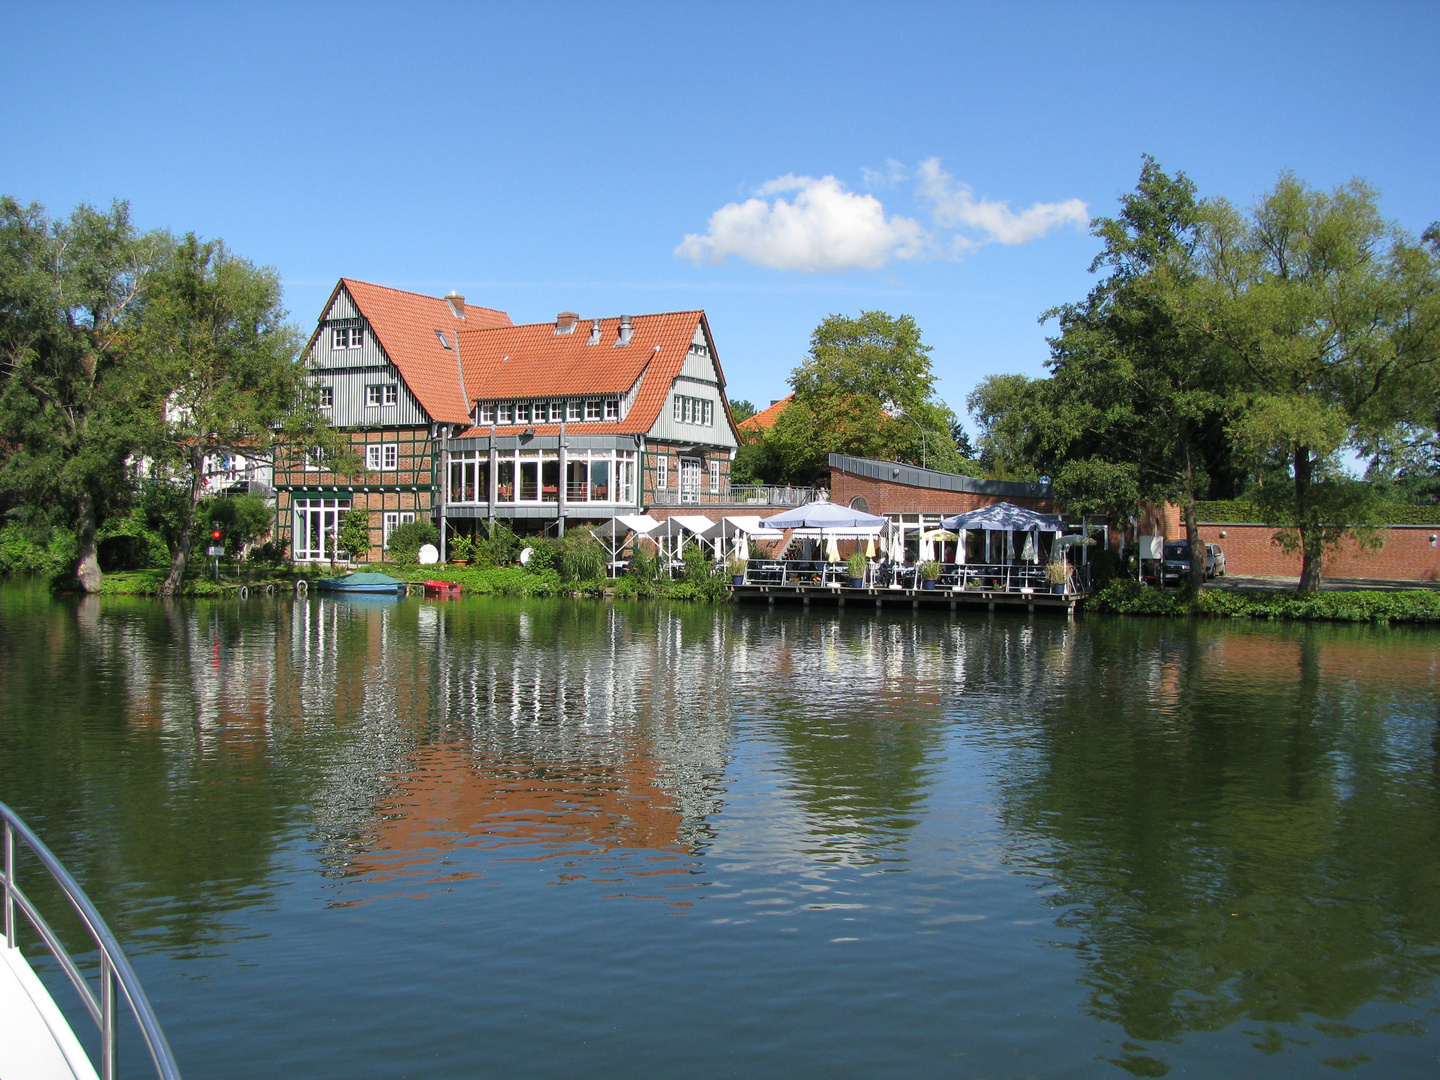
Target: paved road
{"type": "Point", "coordinates": [1283, 584]}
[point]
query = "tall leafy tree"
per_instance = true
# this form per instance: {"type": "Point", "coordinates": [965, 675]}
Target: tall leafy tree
{"type": "Point", "coordinates": [1137, 398]}
{"type": "Point", "coordinates": [865, 388]}
{"type": "Point", "coordinates": [69, 294]}
{"type": "Point", "coordinates": [1332, 318]}
{"type": "Point", "coordinates": [219, 370]}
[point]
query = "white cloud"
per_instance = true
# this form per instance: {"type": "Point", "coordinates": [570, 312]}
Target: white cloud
{"type": "Point", "coordinates": [954, 206]}
{"type": "Point", "coordinates": [824, 228]}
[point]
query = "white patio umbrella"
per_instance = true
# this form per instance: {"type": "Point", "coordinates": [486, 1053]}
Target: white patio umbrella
{"type": "Point", "coordinates": [739, 531]}
{"type": "Point", "coordinates": [614, 533]}
{"type": "Point", "coordinates": [674, 532]}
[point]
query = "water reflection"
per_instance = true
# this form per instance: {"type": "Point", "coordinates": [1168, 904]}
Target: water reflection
{"type": "Point", "coordinates": [1240, 824]}
{"type": "Point", "coordinates": [1229, 828]}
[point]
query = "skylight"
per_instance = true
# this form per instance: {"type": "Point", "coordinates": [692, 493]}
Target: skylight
{"type": "Point", "coordinates": [443, 339]}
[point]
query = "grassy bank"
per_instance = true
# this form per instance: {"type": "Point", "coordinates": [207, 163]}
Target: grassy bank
{"type": "Point", "coordinates": [1123, 597]}
{"type": "Point", "coordinates": [476, 581]}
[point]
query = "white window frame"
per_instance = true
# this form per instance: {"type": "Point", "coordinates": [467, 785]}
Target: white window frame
{"type": "Point", "coordinates": [662, 472]}
{"type": "Point", "coordinates": [382, 457]}
{"type": "Point", "coordinates": [679, 408]}
{"type": "Point", "coordinates": [325, 397]}
{"type": "Point", "coordinates": [593, 409]}
{"type": "Point", "coordinates": [505, 414]}
{"type": "Point", "coordinates": [612, 409]}
{"type": "Point", "coordinates": [381, 395]}
{"type": "Point", "coordinates": [575, 410]}
{"type": "Point", "coordinates": [487, 413]}
{"type": "Point", "coordinates": [714, 475]}
{"type": "Point", "coordinates": [522, 412]}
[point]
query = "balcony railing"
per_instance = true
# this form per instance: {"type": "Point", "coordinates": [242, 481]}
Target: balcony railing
{"type": "Point", "coordinates": [734, 495]}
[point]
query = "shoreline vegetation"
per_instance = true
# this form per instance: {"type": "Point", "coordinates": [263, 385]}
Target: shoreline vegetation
{"type": "Point", "coordinates": [1118, 597]}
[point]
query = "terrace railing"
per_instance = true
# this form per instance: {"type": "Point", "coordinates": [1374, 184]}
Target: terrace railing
{"type": "Point", "coordinates": [115, 969]}
{"type": "Point", "coordinates": [761, 495]}
{"type": "Point", "coordinates": [996, 577]}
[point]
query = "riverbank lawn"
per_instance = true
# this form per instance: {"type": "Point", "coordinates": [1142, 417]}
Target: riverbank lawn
{"type": "Point", "coordinates": [1124, 597]}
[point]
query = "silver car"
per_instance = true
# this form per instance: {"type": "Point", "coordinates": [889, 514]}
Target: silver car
{"type": "Point", "coordinates": [1214, 561]}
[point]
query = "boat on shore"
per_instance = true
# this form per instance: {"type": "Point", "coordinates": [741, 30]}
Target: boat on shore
{"type": "Point", "coordinates": [363, 583]}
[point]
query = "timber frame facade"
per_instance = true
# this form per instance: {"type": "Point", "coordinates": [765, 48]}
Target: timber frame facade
{"type": "Point", "coordinates": [460, 416]}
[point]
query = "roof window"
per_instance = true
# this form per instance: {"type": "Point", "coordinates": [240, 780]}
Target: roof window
{"type": "Point", "coordinates": [445, 341]}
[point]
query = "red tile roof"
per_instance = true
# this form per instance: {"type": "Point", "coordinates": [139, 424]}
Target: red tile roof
{"type": "Point", "coordinates": [405, 323]}
{"type": "Point", "coordinates": [533, 361]}
{"type": "Point", "coordinates": [766, 418]}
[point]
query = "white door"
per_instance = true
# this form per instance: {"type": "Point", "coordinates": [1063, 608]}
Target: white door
{"type": "Point", "coordinates": [690, 480]}
{"type": "Point", "coordinates": [317, 522]}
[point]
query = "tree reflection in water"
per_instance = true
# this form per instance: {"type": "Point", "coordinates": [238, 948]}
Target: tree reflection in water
{"type": "Point", "coordinates": [1240, 825]}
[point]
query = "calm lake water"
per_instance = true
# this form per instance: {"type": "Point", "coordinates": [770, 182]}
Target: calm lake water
{"type": "Point", "coordinates": [506, 838]}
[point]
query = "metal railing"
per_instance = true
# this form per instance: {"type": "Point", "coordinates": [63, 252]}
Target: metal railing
{"type": "Point", "coordinates": [998, 577]}
{"type": "Point", "coordinates": [114, 967]}
{"type": "Point", "coordinates": [734, 495]}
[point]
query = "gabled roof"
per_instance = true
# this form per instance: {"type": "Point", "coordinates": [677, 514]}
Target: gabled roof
{"type": "Point", "coordinates": [404, 323]}
{"type": "Point", "coordinates": [533, 361]}
{"type": "Point", "coordinates": [761, 421]}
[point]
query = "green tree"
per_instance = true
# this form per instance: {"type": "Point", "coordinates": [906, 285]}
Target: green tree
{"type": "Point", "coordinates": [1331, 316]}
{"type": "Point", "coordinates": [1012, 414]}
{"type": "Point", "coordinates": [69, 293]}
{"type": "Point", "coordinates": [242, 519]}
{"type": "Point", "coordinates": [354, 537]}
{"type": "Point", "coordinates": [865, 388]}
{"type": "Point", "coordinates": [1136, 403]}
{"type": "Point", "coordinates": [219, 369]}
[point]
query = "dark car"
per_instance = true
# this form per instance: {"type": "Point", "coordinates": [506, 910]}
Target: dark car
{"type": "Point", "coordinates": [1175, 562]}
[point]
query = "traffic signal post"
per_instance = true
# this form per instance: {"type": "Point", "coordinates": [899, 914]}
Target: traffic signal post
{"type": "Point", "coordinates": [216, 549]}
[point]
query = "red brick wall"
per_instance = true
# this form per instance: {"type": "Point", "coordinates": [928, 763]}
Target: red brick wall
{"type": "Point", "coordinates": [1407, 555]}
{"type": "Point", "coordinates": [884, 497]}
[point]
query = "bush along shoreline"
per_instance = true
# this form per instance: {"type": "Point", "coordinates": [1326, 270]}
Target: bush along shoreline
{"type": "Point", "coordinates": [1125, 597]}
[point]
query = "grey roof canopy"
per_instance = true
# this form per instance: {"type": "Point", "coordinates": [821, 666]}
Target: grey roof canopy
{"type": "Point", "coordinates": [824, 515]}
{"type": "Point", "coordinates": [1005, 517]}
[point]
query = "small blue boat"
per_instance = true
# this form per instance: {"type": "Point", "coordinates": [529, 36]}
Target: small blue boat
{"type": "Point", "coordinates": [363, 583]}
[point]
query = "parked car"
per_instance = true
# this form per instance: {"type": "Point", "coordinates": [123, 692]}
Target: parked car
{"type": "Point", "coordinates": [1175, 562]}
{"type": "Point", "coordinates": [1214, 561]}
{"type": "Point", "coordinates": [248, 487]}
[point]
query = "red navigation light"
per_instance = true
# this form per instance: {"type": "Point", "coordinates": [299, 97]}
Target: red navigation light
{"type": "Point", "coordinates": [216, 534]}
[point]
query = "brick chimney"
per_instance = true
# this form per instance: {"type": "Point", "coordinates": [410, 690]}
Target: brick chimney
{"type": "Point", "coordinates": [565, 322]}
{"type": "Point", "coordinates": [457, 304]}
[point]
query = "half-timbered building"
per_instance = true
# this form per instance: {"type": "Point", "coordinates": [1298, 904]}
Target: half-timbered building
{"type": "Point", "coordinates": [459, 415]}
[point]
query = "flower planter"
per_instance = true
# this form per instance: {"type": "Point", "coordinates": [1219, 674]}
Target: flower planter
{"type": "Point", "coordinates": [927, 585]}
{"type": "Point", "coordinates": [737, 579]}
{"type": "Point", "coordinates": [857, 583]}
{"type": "Point", "coordinates": [1058, 589]}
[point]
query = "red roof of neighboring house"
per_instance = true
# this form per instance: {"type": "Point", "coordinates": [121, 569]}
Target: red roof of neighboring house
{"type": "Point", "coordinates": [405, 323]}
{"type": "Point", "coordinates": [765, 419]}
{"type": "Point", "coordinates": [533, 361]}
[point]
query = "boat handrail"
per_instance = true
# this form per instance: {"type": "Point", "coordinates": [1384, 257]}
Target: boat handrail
{"type": "Point", "coordinates": [114, 966]}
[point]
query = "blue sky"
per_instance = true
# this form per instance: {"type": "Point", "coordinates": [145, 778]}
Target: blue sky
{"type": "Point", "coordinates": [928, 159]}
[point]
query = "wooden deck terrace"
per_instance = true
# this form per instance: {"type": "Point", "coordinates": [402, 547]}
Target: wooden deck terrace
{"type": "Point", "coordinates": [828, 583]}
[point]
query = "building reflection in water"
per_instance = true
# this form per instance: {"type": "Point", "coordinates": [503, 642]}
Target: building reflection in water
{"type": "Point", "coordinates": [1230, 824]}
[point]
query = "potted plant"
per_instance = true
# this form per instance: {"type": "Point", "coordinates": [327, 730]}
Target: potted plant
{"type": "Point", "coordinates": [855, 564]}
{"type": "Point", "coordinates": [928, 572]}
{"type": "Point", "coordinates": [1057, 572]}
{"type": "Point", "coordinates": [462, 548]}
{"type": "Point", "coordinates": [737, 567]}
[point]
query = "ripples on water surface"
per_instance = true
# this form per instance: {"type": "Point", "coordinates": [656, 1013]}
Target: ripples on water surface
{"type": "Point", "coordinates": [500, 838]}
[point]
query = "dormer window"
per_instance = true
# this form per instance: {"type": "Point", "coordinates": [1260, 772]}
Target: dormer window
{"type": "Point", "coordinates": [486, 413]}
